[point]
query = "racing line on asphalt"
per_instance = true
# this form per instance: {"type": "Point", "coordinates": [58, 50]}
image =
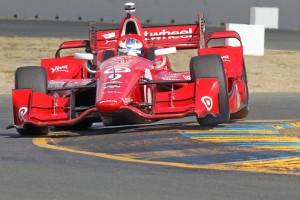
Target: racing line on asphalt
{"type": "Point", "coordinates": [253, 146]}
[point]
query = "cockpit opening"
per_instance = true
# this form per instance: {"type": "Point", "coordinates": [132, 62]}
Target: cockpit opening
{"type": "Point", "coordinates": [131, 28]}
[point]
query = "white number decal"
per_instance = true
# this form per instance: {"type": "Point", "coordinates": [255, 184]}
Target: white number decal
{"type": "Point", "coordinates": [117, 70]}
{"type": "Point", "coordinates": [114, 77]}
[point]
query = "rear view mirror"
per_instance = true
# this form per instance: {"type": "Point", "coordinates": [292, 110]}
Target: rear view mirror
{"type": "Point", "coordinates": [165, 51]}
{"type": "Point", "coordinates": [84, 56]}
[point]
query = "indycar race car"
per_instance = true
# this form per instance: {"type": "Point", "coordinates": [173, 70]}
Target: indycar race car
{"type": "Point", "coordinates": [125, 77]}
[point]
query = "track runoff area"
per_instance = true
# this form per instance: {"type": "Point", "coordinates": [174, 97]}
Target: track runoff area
{"type": "Point", "coordinates": [250, 146]}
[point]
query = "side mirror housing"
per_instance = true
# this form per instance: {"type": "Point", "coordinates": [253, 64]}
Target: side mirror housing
{"type": "Point", "coordinates": [165, 51]}
{"type": "Point", "coordinates": [84, 56]}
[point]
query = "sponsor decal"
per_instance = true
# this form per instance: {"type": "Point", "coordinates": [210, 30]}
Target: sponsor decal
{"type": "Point", "coordinates": [118, 69]}
{"type": "Point", "coordinates": [109, 36]}
{"type": "Point", "coordinates": [21, 113]}
{"type": "Point", "coordinates": [56, 84]}
{"type": "Point", "coordinates": [170, 79]}
{"type": "Point", "coordinates": [169, 34]}
{"type": "Point", "coordinates": [112, 85]}
{"type": "Point", "coordinates": [114, 92]}
{"type": "Point", "coordinates": [108, 101]}
{"type": "Point", "coordinates": [188, 77]}
{"type": "Point", "coordinates": [71, 84]}
{"type": "Point", "coordinates": [119, 61]}
{"type": "Point", "coordinates": [114, 77]}
{"type": "Point", "coordinates": [77, 83]}
{"type": "Point", "coordinates": [208, 102]}
{"type": "Point", "coordinates": [127, 100]}
{"type": "Point", "coordinates": [226, 58]}
{"type": "Point", "coordinates": [63, 68]}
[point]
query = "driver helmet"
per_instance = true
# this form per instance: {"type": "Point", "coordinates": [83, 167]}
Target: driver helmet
{"type": "Point", "coordinates": [131, 46]}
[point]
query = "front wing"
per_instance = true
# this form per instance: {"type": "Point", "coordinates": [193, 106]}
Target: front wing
{"type": "Point", "coordinates": [200, 99]}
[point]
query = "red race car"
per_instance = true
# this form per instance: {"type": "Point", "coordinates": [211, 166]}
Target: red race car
{"type": "Point", "coordinates": [126, 78]}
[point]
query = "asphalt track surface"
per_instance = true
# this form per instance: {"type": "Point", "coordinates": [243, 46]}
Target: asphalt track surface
{"type": "Point", "coordinates": [169, 160]}
{"type": "Point", "coordinates": [28, 171]}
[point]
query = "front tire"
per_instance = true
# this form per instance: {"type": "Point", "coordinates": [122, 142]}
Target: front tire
{"type": "Point", "coordinates": [35, 78]}
{"type": "Point", "coordinates": [211, 66]}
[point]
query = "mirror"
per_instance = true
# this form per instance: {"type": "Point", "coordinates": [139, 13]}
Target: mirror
{"type": "Point", "coordinates": [165, 51]}
{"type": "Point", "coordinates": [84, 56]}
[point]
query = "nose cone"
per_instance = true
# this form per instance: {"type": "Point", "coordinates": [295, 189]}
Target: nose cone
{"type": "Point", "coordinates": [108, 105]}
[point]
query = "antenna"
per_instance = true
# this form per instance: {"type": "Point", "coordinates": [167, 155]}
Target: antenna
{"type": "Point", "coordinates": [129, 8]}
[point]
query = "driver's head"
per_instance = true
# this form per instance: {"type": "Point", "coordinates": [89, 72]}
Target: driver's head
{"type": "Point", "coordinates": [131, 46]}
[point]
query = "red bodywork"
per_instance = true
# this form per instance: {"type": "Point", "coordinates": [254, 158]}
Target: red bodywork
{"type": "Point", "coordinates": [130, 89]}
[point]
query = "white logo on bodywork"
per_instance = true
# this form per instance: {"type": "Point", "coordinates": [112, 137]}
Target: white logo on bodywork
{"type": "Point", "coordinates": [56, 84]}
{"type": "Point", "coordinates": [108, 36]}
{"type": "Point", "coordinates": [21, 113]}
{"type": "Point", "coordinates": [226, 58]}
{"type": "Point", "coordinates": [188, 77]}
{"type": "Point", "coordinates": [208, 102]}
{"type": "Point", "coordinates": [112, 70]}
{"type": "Point", "coordinates": [63, 68]}
{"type": "Point", "coordinates": [164, 34]}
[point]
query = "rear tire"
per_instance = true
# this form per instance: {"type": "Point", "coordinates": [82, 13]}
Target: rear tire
{"type": "Point", "coordinates": [211, 66]}
{"type": "Point", "coordinates": [35, 78]}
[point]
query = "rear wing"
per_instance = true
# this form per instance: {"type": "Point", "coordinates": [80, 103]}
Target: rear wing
{"type": "Point", "coordinates": [184, 36]}
{"type": "Point", "coordinates": [180, 36]}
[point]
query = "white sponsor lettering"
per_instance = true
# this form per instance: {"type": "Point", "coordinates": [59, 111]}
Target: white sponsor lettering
{"type": "Point", "coordinates": [72, 84]}
{"type": "Point", "coordinates": [208, 102]}
{"type": "Point", "coordinates": [119, 61]}
{"type": "Point", "coordinates": [188, 77]}
{"type": "Point", "coordinates": [77, 83]}
{"type": "Point", "coordinates": [114, 92]}
{"type": "Point", "coordinates": [63, 68]}
{"type": "Point", "coordinates": [21, 113]}
{"type": "Point", "coordinates": [56, 84]}
{"type": "Point", "coordinates": [108, 101]}
{"type": "Point", "coordinates": [169, 34]}
{"type": "Point", "coordinates": [112, 85]}
{"type": "Point", "coordinates": [226, 58]}
{"type": "Point", "coordinates": [127, 100]}
{"type": "Point", "coordinates": [118, 69]}
{"type": "Point", "coordinates": [109, 36]}
{"type": "Point", "coordinates": [170, 79]}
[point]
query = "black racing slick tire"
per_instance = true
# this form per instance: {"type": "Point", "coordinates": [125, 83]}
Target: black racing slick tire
{"type": "Point", "coordinates": [79, 126]}
{"type": "Point", "coordinates": [35, 78]}
{"type": "Point", "coordinates": [31, 77]}
{"type": "Point", "coordinates": [211, 66]}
